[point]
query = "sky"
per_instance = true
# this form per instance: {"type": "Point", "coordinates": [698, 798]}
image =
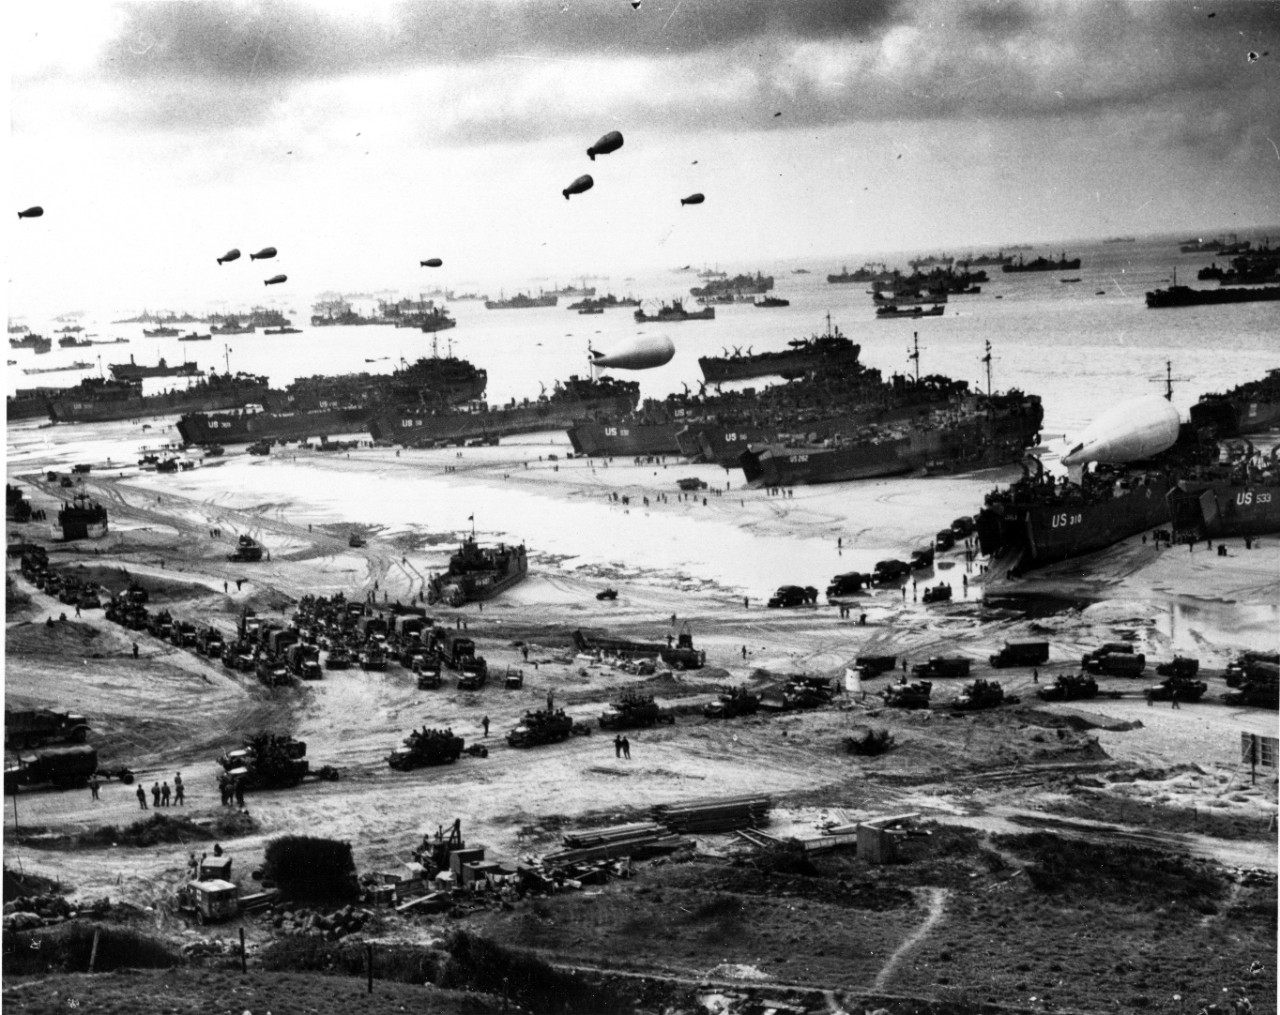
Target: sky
{"type": "Point", "coordinates": [359, 139]}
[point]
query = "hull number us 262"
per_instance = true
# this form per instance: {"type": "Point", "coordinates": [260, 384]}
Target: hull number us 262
{"type": "Point", "coordinates": [1063, 520]}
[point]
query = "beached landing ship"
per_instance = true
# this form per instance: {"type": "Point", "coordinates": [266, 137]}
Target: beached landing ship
{"type": "Point", "coordinates": [1241, 498]}
{"type": "Point", "coordinates": [96, 400]}
{"type": "Point", "coordinates": [1247, 408]}
{"type": "Point", "coordinates": [83, 518]}
{"type": "Point", "coordinates": [475, 574]}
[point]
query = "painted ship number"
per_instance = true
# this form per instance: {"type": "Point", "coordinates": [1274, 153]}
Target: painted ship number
{"type": "Point", "coordinates": [730, 437]}
{"type": "Point", "coordinates": [218, 424]}
{"type": "Point", "coordinates": [1248, 497]}
{"type": "Point", "coordinates": [1063, 520]}
{"type": "Point", "coordinates": [614, 431]}
{"type": "Point", "coordinates": [797, 458]}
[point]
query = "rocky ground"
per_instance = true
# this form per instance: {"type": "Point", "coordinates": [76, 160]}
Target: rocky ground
{"type": "Point", "coordinates": [1114, 775]}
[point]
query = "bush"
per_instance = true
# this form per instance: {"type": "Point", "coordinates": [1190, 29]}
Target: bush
{"type": "Point", "coordinates": [69, 945]}
{"type": "Point", "coordinates": [311, 869]}
{"type": "Point", "coordinates": [311, 953]}
{"type": "Point", "coordinates": [869, 742]}
{"type": "Point", "coordinates": [477, 963]}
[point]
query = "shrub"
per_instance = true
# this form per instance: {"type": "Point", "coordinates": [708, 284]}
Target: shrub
{"type": "Point", "coordinates": [311, 953]}
{"type": "Point", "coordinates": [69, 945]}
{"type": "Point", "coordinates": [869, 742]}
{"type": "Point", "coordinates": [312, 869]}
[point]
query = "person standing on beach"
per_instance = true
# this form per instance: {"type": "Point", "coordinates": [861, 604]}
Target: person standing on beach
{"type": "Point", "coordinates": [155, 794]}
{"type": "Point", "coordinates": [178, 789]}
{"type": "Point", "coordinates": [164, 794]}
{"type": "Point", "coordinates": [142, 798]}
{"type": "Point", "coordinates": [626, 748]}
{"type": "Point", "coordinates": [485, 723]}
{"type": "Point", "coordinates": [93, 787]}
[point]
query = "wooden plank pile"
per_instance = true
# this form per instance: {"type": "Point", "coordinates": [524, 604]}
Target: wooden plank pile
{"type": "Point", "coordinates": [637, 840]}
{"type": "Point", "coordinates": [714, 814]}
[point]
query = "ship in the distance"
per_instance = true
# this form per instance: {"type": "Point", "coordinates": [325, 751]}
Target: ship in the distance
{"type": "Point", "coordinates": [1061, 263]}
{"type": "Point", "coordinates": [1185, 296]}
{"type": "Point", "coordinates": [830, 350]}
{"type": "Point", "coordinates": [674, 312]}
{"type": "Point", "coordinates": [133, 371]}
{"type": "Point", "coordinates": [522, 301]}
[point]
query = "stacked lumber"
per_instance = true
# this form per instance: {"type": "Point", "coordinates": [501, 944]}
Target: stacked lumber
{"type": "Point", "coordinates": [638, 840]}
{"type": "Point", "coordinates": [714, 814]}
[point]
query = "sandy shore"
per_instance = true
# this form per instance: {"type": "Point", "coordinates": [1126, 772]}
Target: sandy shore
{"type": "Point", "coordinates": [677, 557]}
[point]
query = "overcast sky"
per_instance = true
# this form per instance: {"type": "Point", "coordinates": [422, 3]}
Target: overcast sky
{"type": "Point", "coordinates": [360, 138]}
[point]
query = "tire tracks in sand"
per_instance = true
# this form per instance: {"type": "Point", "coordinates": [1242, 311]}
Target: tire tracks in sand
{"type": "Point", "coordinates": [937, 906]}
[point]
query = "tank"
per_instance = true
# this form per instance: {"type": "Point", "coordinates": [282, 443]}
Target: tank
{"type": "Point", "coordinates": [632, 711]}
{"type": "Point", "coordinates": [545, 727]}
{"type": "Point", "coordinates": [807, 692]}
{"type": "Point", "coordinates": [912, 695]}
{"type": "Point", "coordinates": [247, 551]}
{"type": "Point", "coordinates": [1177, 687]}
{"type": "Point", "coordinates": [426, 747]}
{"type": "Point", "coordinates": [1070, 687]}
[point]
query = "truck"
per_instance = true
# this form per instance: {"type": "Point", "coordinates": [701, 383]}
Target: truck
{"type": "Point", "coordinates": [732, 703]}
{"type": "Point", "coordinates": [847, 584]}
{"type": "Point", "coordinates": [209, 901]}
{"type": "Point", "coordinates": [942, 666]}
{"type": "Point", "coordinates": [873, 666]}
{"type": "Point", "coordinates": [1021, 653]}
{"type": "Point", "coordinates": [888, 571]}
{"type": "Point", "coordinates": [473, 673]}
{"type": "Point", "coordinates": [1116, 664]}
{"type": "Point", "coordinates": [71, 765]}
{"type": "Point", "coordinates": [35, 727]}
{"type": "Point", "coordinates": [545, 726]}
{"type": "Point", "coordinates": [248, 550]}
{"type": "Point", "coordinates": [1177, 687]}
{"type": "Point", "coordinates": [940, 593]}
{"type": "Point", "coordinates": [807, 692]}
{"type": "Point", "coordinates": [209, 642]}
{"type": "Point", "coordinates": [304, 661]}
{"type": "Point", "coordinates": [793, 595]}
{"type": "Point", "coordinates": [269, 760]}
{"type": "Point", "coordinates": [1178, 666]}
{"type": "Point", "coordinates": [427, 668]}
{"type": "Point", "coordinates": [426, 747]}
{"type": "Point", "coordinates": [633, 711]}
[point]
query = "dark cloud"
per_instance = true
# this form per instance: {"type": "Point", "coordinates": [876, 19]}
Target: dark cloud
{"type": "Point", "coordinates": [218, 40]}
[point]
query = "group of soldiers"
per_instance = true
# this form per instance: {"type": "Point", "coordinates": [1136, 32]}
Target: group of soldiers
{"type": "Point", "coordinates": [231, 789]}
{"type": "Point", "coordinates": [161, 794]}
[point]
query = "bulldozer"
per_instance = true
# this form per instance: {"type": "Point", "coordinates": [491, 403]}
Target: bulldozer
{"type": "Point", "coordinates": [1070, 687]}
{"type": "Point", "coordinates": [426, 747]}
{"type": "Point", "coordinates": [912, 695]}
{"type": "Point", "coordinates": [632, 711]}
{"type": "Point", "coordinates": [732, 703]}
{"type": "Point", "coordinates": [545, 726]}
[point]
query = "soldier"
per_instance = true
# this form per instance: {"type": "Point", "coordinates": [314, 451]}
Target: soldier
{"type": "Point", "coordinates": [93, 787]}
{"type": "Point", "coordinates": [135, 650]}
{"type": "Point", "coordinates": [164, 794]}
{"type": "Point", "coordinates": [239, 788]}
{"type": "Point", "coordinates": [485, 723]}
{"type": "Point", "coordinates": [155, 794]}
{"type": "Point", "coordinates": [178, 790]}
{"type": "Point", "coordinates": [142, 798]}
{"type": "Point", "coordinates": [626, 748]}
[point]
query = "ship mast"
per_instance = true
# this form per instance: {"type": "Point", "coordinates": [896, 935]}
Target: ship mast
{"type": "Point", "coordinates": [987, 360]}
{"type": "Point", "coordinates": [1168, 379]}
{"type": "Point", "coordinates": [914, 354]}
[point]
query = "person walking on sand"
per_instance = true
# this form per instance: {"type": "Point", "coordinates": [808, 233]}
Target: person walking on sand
{"type": "Point", "coordinates": [626, 748]}
{"type": "Point", "coordinates": [142, 798]}
{"type": "Point", "coordinates": [178, 789]}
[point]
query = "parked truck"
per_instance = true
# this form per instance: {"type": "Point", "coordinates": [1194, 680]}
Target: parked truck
{"type": "Point", "coordinates": [24, 729]}
{"type": "Point", "coordinates": [942, 666]}
{"type": "Point", "coordinates": [210, 901]}
{"type": "Point", "coordinates": [72, 765]}
{"type": "Point", "coordinates": [1115, 664]}
{"type": "Point", "coordinates": [632, 711]}
{"type": "Point", "coordinates": [545, 726]}
{"type": "Point", "coordinates": [732, 703]}
{"type": "Point", "coordinates": [1021, 653]}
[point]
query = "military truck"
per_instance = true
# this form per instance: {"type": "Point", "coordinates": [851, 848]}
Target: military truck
{"type": "Point", "coordinates": [942, 666]}
{"type": "Point", "coordinates": [807, 692]}
{"type": "Point", "coordinates": [209, 642]}
{"type": "Point", "coordinates": [732, 703]}
{"type": "Point", "coordinates": [545, 726]}
{"type": "Point", "coordinates": [1021, 653]}
{"type": "Point", "coordinates": [338, 657]}
{"type": "Point", "coordinates": [427, 668]}
{"type": "Point", "coordinates": [887, 572]}
{"type": "Point", "coordinates": [940, 593]}
{"type": "Point", "coordinates": [268, 760]}
{"type": "Point", "coordinates": [632, 711]}
{"type": "Point", "coordinates": [272, 671]}
{"type": "Point", "coordinates": [1259, 687]}
{"type": "Point", "coordinates": [304, 661]}
{"type": "Point", "coordinates": [1116, 664]}
{"type": "Point", "coordinates": [922, 559]}
{"type": "Point", "coordinates": [793, 595]}
{"type": "Point", "coordinates": [1178, 688]}
{"type": "Point", "coordinates": [373, 656]}
{"type": "Point", "coordinates": [912, 695]}
{"type": "Point", "coordinates": [183, 634]}
{"type": "Point", "coordinates": [71, 765]}
{"type": "Point", "coordinates": [248, 551]}
{"type": "Point", "coordinates": [35, 727]}
{"type": "Point", "coordinates": [209, 901]}
{"type": "Point", "coordinates": [426, 747]}
{"type": "Point", "coordinates": [1070, 687]}
{"type": "Point", "coordinates": [873, 666]}
{"type": "Point", "coordinates": [848, 584]}
{"type": "Point", "coordinates": [980, 694]}
{"type": "Point", "coordinates": [1252, 665]}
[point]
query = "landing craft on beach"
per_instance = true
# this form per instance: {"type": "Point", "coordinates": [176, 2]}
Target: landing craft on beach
{"type": "Point", "coordinates": [692, 199]}
{"type": "Point", "coordinates": [579, 186]}
{"type": "Point", "coordinates": [431, 262]}
{"type": "Point", "coordinates": [1130, 431]}
{"type": "Point", "coordinates": [34, 212]}
{"type": "Point", "coordinates": [263, 254]}
{"type": "Point", "coordinates": [276, 280]}
{"type": "Point", "coordinates": [230, 255]}
{"type": "Point", "coordinates": [610, 142]}
{"type": "Point", "coordinates": [641, 353]}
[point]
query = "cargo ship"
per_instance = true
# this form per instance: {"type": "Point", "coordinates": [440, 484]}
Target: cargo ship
{"type": "Point", "coordinates": [1185, 296]}
{"type": "Point", "coordinates": [132, 371]}
{"type": "Point", "coordinates": [161, 332]}
{"type": "Point", "coordinates": [71, 342]}
{"type": "Point", "coordinates": [1062, 263]}
{"type": "Point", "coordinates": [83, 518]}
{"type": "Point", "coordinates": [872, 271]}
{"type": "Point", "coordinates": [338, 313]}
{"type": "Point", "coordinates": [422, 313]}
{"type": "Point", "coordinates": [574, 400]}
{"type": "Point", "coordinates": [477, 574]}
{"type": "Point", "coordinates": [830, 351]}
{"type": "Point", "coordinates": [31, 340]}
{"type": "Point", "coordinates": [673, 312]}
{"type": "Point", "coordinates": [974, 432]}
{"type": "Point", "coordinates": [739, 285]}
{"type": "Point", "coordinates": [95, 400]}
{"type": "Point", "coordinates": [983, 260]}
{"type": "Point", "coordinates": [604, 302]}
{"type": "Point", "coordinates": [1247, 408]}
{"type": "Point", "coordinates": [522, 301]}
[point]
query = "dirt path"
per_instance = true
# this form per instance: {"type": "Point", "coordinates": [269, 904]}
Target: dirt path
{"type": "Point", "coordinates": [937, 906]}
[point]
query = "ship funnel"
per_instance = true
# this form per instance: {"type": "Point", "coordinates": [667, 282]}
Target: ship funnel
{"type": "Point", "coordinates": [1128, 432]}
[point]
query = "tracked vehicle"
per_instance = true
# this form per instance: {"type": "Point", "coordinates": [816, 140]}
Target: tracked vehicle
{"type": "Point", "coordinates": [545, 727]}
{"type": "Point", "coordinates": [633, 711]}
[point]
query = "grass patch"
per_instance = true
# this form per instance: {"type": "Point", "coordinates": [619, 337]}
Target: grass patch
{"type": "Point", "coordinates": [67, 948]}
{"type": "Point", "coordinates": [1144, 814]}
{"type": "Point", "coordinates": [17, 884]}
{"type": "Point", "coordinates": [155, 830]}
{"type": "Point", "coordinates": [310, 953]}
